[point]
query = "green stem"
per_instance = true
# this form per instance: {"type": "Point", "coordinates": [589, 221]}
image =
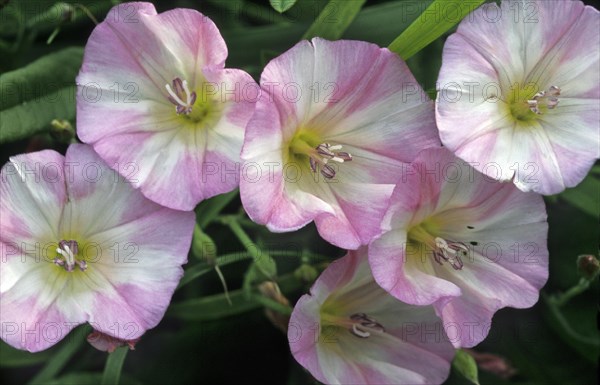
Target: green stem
{"type": "Point", "coordinates": [563, 298]}
{"type": "Point", "coordinates": [272, 304]}
{"type": "Point", "coordinates": [199, 270]}
{"type": "Point", "coordinates": [262, 260]}
{"type": "Point", "coordinates": [62, 357]}
{"type": "Point", "coordinates": [555, 311]}
{"type": "Point", "coordinates": [114, 365]}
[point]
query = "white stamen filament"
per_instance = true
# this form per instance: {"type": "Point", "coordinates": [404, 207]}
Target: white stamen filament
{"type": "Point", "coordinates": [174, 95]}
{"type": "Point", "coordinates": [450, 252]}
{"type": "Point", "coordinates": [68, 254]}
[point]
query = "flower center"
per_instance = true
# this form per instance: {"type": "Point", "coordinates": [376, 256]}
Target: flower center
{"type": "Point", "coordinates": [67, 251]}
{"type": "Point", "coordinates": [526, 104]}
{"type": "Point", "coordinates": [450, 252]}
{"type": "Point", "coordinates": [363, 325]}
{"type": "Point", "coordinates": [320, 155]}
{"type": "Point", "coordinates": [178, 93]}
{"type": "Point", "coordinates": [189, 106]}
{"type": "Point", "coordinates": [442, 250]}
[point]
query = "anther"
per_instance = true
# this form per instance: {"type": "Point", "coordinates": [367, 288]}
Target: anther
{"type": "Point", "coordinates": [327, 152]}
{"type": "Point", "coordinates": [450, 252]}
{"type": "Point", "coordinates": [68, 250]}
{"type": "Point", "coordinates": [176, 96]}
{"type": "Point", "coordinates": [544, 98]}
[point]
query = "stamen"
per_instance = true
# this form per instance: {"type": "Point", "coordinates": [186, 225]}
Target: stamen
{"type": "Point", "coordinates": [68, 250]}
{"type": "Point", "coordinates": [364, 325]}
{"type": "Point", "coordinates": [450, 252]}
{"type": "Point", "coordinates": [326, 153]}
{"type": "Point", "coordinates": [176, 96]}
{"type": "Point", "coordinates": [544, 98]}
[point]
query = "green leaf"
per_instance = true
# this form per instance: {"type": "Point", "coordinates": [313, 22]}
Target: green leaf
{"type": "Point", "coordinates": [585, 196]}
{"type": "Point", "coordinates": [335, 18]}
{"type": "Point", "coordinates": [31, 97]}
{"type": "Point", "coordinates": [209, 209]}
{"type": "Point", "coordinates": [215, 307]}
{"type": "Point", "coordinates": [12, 358]}
{"type": "Point", "coordinates": [114, 365]}
{"type": "Point", "coordinates": [59, 360]}
{"type": "Point", "coordinates": [439, 17]}
{"type": "Point", "coordinates": [282, 5]}
{"type": "Point", "coordinates": [465, 364]}
{"type": "Point", "coordinates": [199, 270]}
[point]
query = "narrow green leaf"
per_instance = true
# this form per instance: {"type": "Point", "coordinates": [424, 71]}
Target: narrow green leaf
{"type": "Point", "coordinates": [12, 358]}
{"type": "Point", "coordinates": [31, 97]}
{"type": "Point", "coordinates": [465, 364]}
{"type": "Point", "coordinates": [282, 5]}
{"type": "Point", "coordinates": [439, 17]}
{"type": "Point", "coordinates": [335, 18]}
{"type": "Point", "coordinates": [114, 365]}
{"type": "Point", "coordinates": [208, 210]}
{"type": "Point", "coordinates": [585, 196]}
{"type": "Point", "coordinates": [199, 270]}
{"type": "Point", "coordinates": [60, 359]}
{"type": "Point", "coordinates": [215, 307]}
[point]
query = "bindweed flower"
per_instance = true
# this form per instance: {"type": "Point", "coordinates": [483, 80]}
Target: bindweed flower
{"type": "Point", "coordinates": [463, 242]}
{"type": "Point", "coordinates": [350, 331]}
{"type": "Point", "coordinates": [157, 104]}
{"type": "Point", "coordinates": [79, 244]}
{"type": "Point", "coordinates": [334, 123]}
{"type": "Point", "coordinates": [519, 92]}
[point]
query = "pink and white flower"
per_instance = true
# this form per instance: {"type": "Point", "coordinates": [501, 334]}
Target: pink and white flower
{"type": "Point", "coordinates": [519, 94]}
{"type": "Point", "coordinates": [79, 244]}
{"type": "Point", "coordinates": [350, 331]}
{"type": "Point", "coordinates": [155, 100]}
{"type": "Point", "coordinates": [334, 123]}
{"type": "Point", "coordinates": [465, 243]}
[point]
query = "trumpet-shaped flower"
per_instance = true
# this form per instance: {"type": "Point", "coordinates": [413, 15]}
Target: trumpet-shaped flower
{"type": "Point", "coordinates": [334, 123]}
{"type": "Point", "coordinates": [463, 242]}
{"type": "Point", "coordinates": [350, 331]}
{"type": "Point", "coordinates": [79, 244]}
{"type": "Point", "coordinates": [157, 104]}
{"type": "Point", "coordinates": [519, 94]}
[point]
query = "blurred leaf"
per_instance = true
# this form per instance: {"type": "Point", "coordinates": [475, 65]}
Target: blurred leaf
{"type": "Point", "coordinates": [215, 307]}
{"type": "Point", "coordinates": [574, 324]}
{"type": "Point", "coordinates": [438, 18]}
{"type": "Point", "coordinates": [377, 24]}
{"type": "Point", "coordinates": [282, 5]}
{"type": "Point", "coordinates": [114, 365]}
{"type": "Point", "coordinates": [199, 270]}
{"type": "Point", "coordinates": [11, 357]}
{"type": "Point", "coordinates": [87, 378]}
{"type": "Point", "coordinates": [209, 209]}
{"type": "Point", "coordinates": [266, 55]}
{"type": "Point", "coordinates": [35, 95]}
{"type": "Point", "coordinates": [585, 196]}
{"type": "Point", "coordinates": [79, 378]}
{"type": "Point", "coordinates": [59, 360]}
{"type": "Point", "coordinates": [465, 364]}
{"type": "Point", "coordinates": [334, 19]}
